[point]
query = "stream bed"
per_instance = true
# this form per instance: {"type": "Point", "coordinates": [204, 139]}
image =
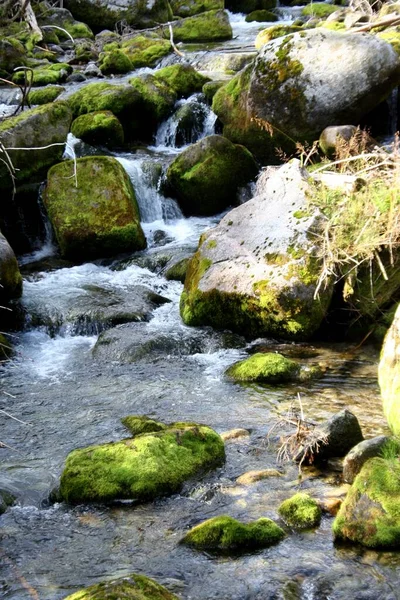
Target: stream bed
{"type": "Point", "coordinates": [65, 397]}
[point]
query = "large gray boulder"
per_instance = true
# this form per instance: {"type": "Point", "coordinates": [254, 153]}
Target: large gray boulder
{"type": "Point", "coordinates": [105, 14]}
{"type": "Point", "coordinates": [304, 82]}
{"type": "Point", "coordinates": [257, 272]}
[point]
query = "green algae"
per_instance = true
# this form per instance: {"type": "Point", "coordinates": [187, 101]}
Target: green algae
{"type": "Point", "coordinates": [300, 511]}
{"type": "Point", "coordinates": [268, 367]}
{"type": "Point", "coordinates": [226, 533]}
{"type": "Point", "coordinates": [140, 468]}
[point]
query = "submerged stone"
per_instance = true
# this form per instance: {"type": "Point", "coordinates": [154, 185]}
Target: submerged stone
{"type": "Point", "coordinates": [300, 511]}
{"type": "Point", "coordinates": [97, 215]}
{"type": "Point", "coordinates": [130, 587]}
{"type": "Point", "coordinates": [141, 468]}
{"type": "Point", "coordinates": [370, 514]}
{"type": "Point", "coordinates": [226, 533]}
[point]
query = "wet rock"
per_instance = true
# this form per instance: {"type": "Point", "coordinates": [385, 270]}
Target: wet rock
{"type": "Point", "coordinates": [99, 216]}
{"type": "Point", "coordinates": [271, 367]}
{"type": "Point", "coordinates": [6, 500]}
{"type": "Point", "coordinates": [370, 513]}
{"type": "Point", "coordinates": [225, 533]}
{"type": "Point", "coordinates": [177, 271]}
{"type": "Point", "coordinates": [300, 511]}
{"type": "Point", "coordinates": [182, 78]}
{"type": "Point", "coordinates": [257, 271]}
{"type": "Point", "coordinates": [145, 51]}
{"type": "Point", "coordinates": [322, 71]}
{"type": "Point", "coordinates": [206, 176]}
{"type": "Point", "coordinates": [157, 101]}
{"type": "Point", "coordinates": [210, 26]}
{"type": "Point", "coordinates": [12, 55]}
{"type": "Point", "coordinates": [389, 374]}
{"type": "Point", "coordinates": [362, 452]}
{"type": "Point", "coordinates": [331, 505]}
{"type": "Point", "coordinates": [45, 95]}
{"type": "Point", "coordinates": [106, 14]}
{"type": "Point", "coordinates": [76, 78]}
{"type": "Point", "coordinates": [38, 127]}
{"type": "Point", "coordinates": [99, 128]}
{"type": "Point", "coordinates": [262, 16]}
{"type": "Point", "coordinates": [92, 70]}
{"type": "Point", "coordinates": [141, 468]}
{"type": "Point", "coordinates": [235, 434]}
{"type": "Point", "coordinates": [130, 587]}
{"type": "Point", "coordinates": [138, 424]}
{"type": "Point", "coordinates": [253, 476]}
{"type": "Point", "coordinates": [10, 276]}
{"type": "Point", "coordinates": [115, 63]}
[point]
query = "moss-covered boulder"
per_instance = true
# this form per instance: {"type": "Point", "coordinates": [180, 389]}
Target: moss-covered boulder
{"type": "Point", "coordinates": [321, 10]}
{"type": "Point", "coordinates": [256, 273]}
{"type": "Point", "coordinates": [48, 75]}
{"type": "Point", "coordinates": [276, 31]}
{"type": "Point", "coordinates": [157, 100]}
{"type": "Point", "coordinates": [141, 468]}
{"type": "Point", "coordinates": [145, 51]}
{"type": "Point", "coordinates": [261, 16]}
{"type": "Point", "coordinates": [189, 8]}
{"type": "Point", "coordinates": [100, 128]}
{"type": "Point", "coordinates": [210, 26]}
{"type": "Point", "coordinates": [97, 215]}
{"type": "Point", "coordinates": [301, 83]}
{"type": "Point", "coordinates": [44, 95]}
{"type": "Point", "coordinates": [62, 18]}
{"type": "Point", "coordinates": [178, 270]}
{"type": "Point", "coordinates": [138, 424]}
{"type": "Point", "coordinates": [37, 128]}
{"type": "Point", "coordinates": [206, 177]}
{"type": "Point", "coordinates": [225, 533]}
{"type": "Point", "coordinates": [370, 514]}
{"type": "Point", "coordinates": [105, 14]}
{"type": "Point", "coordinates": [10, 277]}
{"type": "Point", "coordinates": [389, 374]}
{"type": "Point", "coordinates": [130, 587]}
{"type": "Point", "coordinates": [267, 367]}
{"type": "Point", "coordinates": [12, 55]}
{"type": "Point", "coordinates": [300, 511]}
{"type": "Point", "coordinates": [115, 62]}
{"type": "Point", "coordinates": [248, 6]}
{"type": "Point", "coordinates": [182, 78]}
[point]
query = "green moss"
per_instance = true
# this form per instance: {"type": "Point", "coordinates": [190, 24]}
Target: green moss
{"type": "Point", "coordinates": [333, 26]}
{"type": "Point", "coordinates": [99, 128]}
{"type": "Point", "coordinates": [226, 533]}
{"type": "Point", "coordinates": [130, 587]}
{"type": "Point", "coordinates": [210, 26]}
{"type": "Point", "coordinates": [300, 511]}
{"type": "Point", "coordinates": [264, 367]}
{"type": "Point", "coordinates": [274, 32]}
{"type": "Point", "coordinates": [104, 96]}
{"type": "Point", "coordinates": [142, 468]}
{"type": "Point", "coordinates": [45, 95]}
{"type": "Point", "coordinates": [261, 16]}
{"type": "Point", "coordinates": [138, 424]}
{"type": "Point", "coordinates": [158, 98]}
{"type": "Point", "coordinates": [99, 216]}
{"type": "Point", "coordinates": [210, 88]}
{"type": "Point", "coordinates": [182, 8]}
{"type": "Point", "coordinates": [182, 78]}
{"type": "Point", "coordinates": [145, 51]}
{"type": "Point", "coordinates": [391, 36]}
{"type": "Point", "coordinates": [115, 62]}
{"type": "Point", "coordinates": [318, 9]}
{"type": "Point", "coordinates": [78, 30]}
{"type": "Point", "coordinates": [177, 272]}
{"type": "Point", "coordinates": [370, 514]}
{"type": "Point", "coordinates": [51, 74]}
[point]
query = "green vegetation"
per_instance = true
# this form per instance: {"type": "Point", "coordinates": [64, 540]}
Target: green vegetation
{"type": "Point", "coordinates": [182, 78]}
{"type": "Point", "coordinates": [370, 514]}
{"type": "Point", "coordinates": [100, 128]}
{"type": "Point", "coordinates": [131, 587]}
{"type": "Point", "coordinates": [177, 272]}
{"type": "Point", "coordinates": [226, 533]}
{"type": "Point", "coordinates": [115, 62]}
{"type": "Point", "coordinates": [264, 367]}
{"type": "Point", "coordinates": [321, 10]}
{"type": "Point", "coordinates": [145, 51]}
{"type": "Point", "coordinates": [143, 467]}
{"type": "Point", "coordinates": [97, 216]}
{"type": "Point", "coordinates": [210, 26]}
{"type": "Point", "coordinates": [50, 74]}
{"type": "Point", "coordinates": [158, 97]}
{"type": "Point", "coordinates": [262, 16]}
{"type": "Point", "coordinates": [274, 32]}
{"type": "Point", "coordinates": [45, 95]}
{"type": "Point", "coordinates": [138, 424]}
{"type": "Point", "coordinates": [300, 511]}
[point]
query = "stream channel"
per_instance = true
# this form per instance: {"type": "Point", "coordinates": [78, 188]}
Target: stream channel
{"type": "Point", "coordinates": [67, 398]}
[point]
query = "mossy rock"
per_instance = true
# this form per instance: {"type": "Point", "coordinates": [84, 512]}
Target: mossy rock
{"type": "Point", "coordinates": [205, 178]}
{"type": "Point", "coordinates": [210, 88]}
{"type": "Point", "coordinates": [34, 128]}
{"type": "Point", "coordinates": [115, 62]}
{"type": "Point", "coordinates": [268, 367]}
{"type": "Point", "coordinates": [300, 511]}
{"type": "Point", "coordinates": [182, 78]}
{"type": "Point", "coordinates": [177, 272]}
{"type": "Point", "coordinates": [138, 424]}
{"type": "Point", "coordinates": [98, 216]}
{"type": "Point", "coordinates": [12, 55]}
{"type": "Point", "coordinates": [10, 276]}
{"type": "Point", "coordinates": [45, 95]}
{"type": "Point", "coordinates": [141, 468]}
{"type": "Point", "coordinates": [100, 128]}
{"type": "Point", "coordinates": [158, 100]}
{"type": "Point", "coordinates": [248, 6]}
{"type": "Point", "coordinates": [85, 51]}
{"type": "Point", "coordinates": [210, 26]}
{"type": "Point", "coordinates": [389, 374]}
{"type": "Point", "coordinates": [145, 51]}
{"type": "Point", "coordinates": [49, 75]}
{"type": "Point", "coordinates": [189, 8]}
{"type": "Point", "coordinates": [321, 10]}
{"type": "Point", "coordinates": [370, 514]}
{"type": "Point", "coordinates": [392, 36]}
{"type": "Point", "coordinates": [276, 31]}
{"type": "Point", "coordinates": [225, 533]}
{"type": "Point", "coordinates": [130, 587]}
{"type": "Point", "coordinates": [262, 16]}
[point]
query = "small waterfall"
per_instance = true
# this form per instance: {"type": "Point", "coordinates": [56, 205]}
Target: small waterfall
{"type": "Point", "coordinates": [192, 120]}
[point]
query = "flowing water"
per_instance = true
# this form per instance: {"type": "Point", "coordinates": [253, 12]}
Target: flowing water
{"type": "Point", "coordinates": [66, 397]}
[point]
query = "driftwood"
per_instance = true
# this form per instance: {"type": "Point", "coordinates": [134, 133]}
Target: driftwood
{"type": "Point", "coordinates": [392, 20]}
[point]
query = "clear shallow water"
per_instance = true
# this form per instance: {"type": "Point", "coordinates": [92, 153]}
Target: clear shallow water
{"type": "Point", "coordinates": [68, 399]}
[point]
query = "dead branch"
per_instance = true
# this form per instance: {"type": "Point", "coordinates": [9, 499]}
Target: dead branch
{"type": "Point", "coordinates": [390, 20]}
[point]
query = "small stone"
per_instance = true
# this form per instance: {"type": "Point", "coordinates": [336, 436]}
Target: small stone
{"type": "Point", "coordinates": [234, 434]}
{"type": "Point", "coordinates": [254, 476]}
